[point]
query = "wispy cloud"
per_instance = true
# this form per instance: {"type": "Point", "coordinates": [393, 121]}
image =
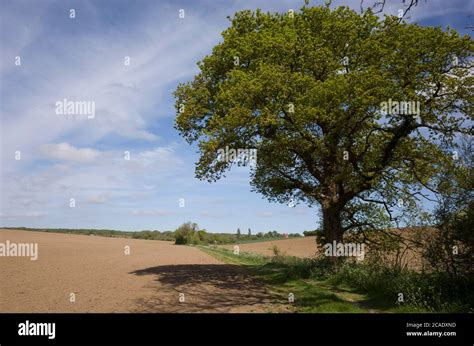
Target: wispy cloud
{"type": "Point", "coordinates": [150, 213]}
{"type": "Point", "coordinates": [66, 152]}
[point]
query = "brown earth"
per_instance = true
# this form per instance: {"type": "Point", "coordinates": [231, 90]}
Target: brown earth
{"type": "Point", "coordinates": [299, 247]}
{"type": "Point", "coordinates": [408, 256]}
{"type": "Point", "coordinates": [105, 279]}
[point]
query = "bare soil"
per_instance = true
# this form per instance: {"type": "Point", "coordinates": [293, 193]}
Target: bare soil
{"type": "Point", "coordinates": [104, 279]}
{"type": "Point", "coordinates": [299, 247]}
{"type": "Point", "coordinates": [409, 255]}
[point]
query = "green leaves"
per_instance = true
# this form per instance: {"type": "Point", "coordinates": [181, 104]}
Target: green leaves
{"type": "Point", "coordinates": [306, 90]}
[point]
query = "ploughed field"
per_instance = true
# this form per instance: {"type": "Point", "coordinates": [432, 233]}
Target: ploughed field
{"type": "Point", "coordinates": [306, 247]}
{"type": "Point", "coordinates": [298, 247]}
{"type": "Point", "coordinates": [78, 273]}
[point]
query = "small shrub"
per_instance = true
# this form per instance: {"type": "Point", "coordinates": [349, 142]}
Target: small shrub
{"type": "Point", "coordinates": [276, 251]}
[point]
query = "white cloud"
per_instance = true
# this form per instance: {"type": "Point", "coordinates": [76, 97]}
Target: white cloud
{"type": "Point", "coordinates": [98, 199]}
{"type": "Point", "coordinates": [150, 213]}
{"type": "Point", "coordinates": [165, 157]}
{"type": "Point", "coordinates": [213, 215]}
{"type": "Point", "coordinates": [265, 214]}
{"type": "Point", "coordinates": [91, 177]}
{"type": "Point", "coordinates": [21, 216]}
{"type": "Point", "coordinates": [128, 99]}
{"type": "Point", "coordinates": [66, 152]}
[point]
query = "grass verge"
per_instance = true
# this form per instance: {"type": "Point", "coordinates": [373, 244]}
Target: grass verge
{"type": "Point", "coordinates": [354, 287]}
{"type": "Point", "coordinates": [291, 275]}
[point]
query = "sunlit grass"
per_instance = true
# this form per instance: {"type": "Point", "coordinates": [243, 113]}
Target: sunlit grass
{"type": "Point", "coordinates": [309, 295]}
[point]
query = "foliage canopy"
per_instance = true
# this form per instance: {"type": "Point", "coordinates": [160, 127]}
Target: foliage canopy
{"type": "Point", "coordinates": [310, 91]}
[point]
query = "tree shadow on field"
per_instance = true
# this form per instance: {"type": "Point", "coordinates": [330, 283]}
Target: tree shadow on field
{"type": "Point", "coordinates": [206, 288]}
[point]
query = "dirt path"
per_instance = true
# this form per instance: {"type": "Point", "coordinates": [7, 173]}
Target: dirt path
{"type": "Point", "coordinates": [152, 278]}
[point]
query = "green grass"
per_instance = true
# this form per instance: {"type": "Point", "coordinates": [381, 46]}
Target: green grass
{"type": "Point", "coordinates": [285, 275]}
{"type": "Point", "coordinates": [227, 256]}
{"type": "Point", "coordinates": [354, 287]}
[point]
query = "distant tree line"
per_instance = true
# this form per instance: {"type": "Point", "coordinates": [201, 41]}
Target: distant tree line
{"type": "Point", "coordinates": [187, 233]}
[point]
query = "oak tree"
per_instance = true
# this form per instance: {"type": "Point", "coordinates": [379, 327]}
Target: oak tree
{"type": "Point", "coordinates": [348, 111]}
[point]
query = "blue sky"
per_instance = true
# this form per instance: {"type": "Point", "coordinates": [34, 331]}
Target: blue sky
{"type": "Point", "coordinates": [82, 58]}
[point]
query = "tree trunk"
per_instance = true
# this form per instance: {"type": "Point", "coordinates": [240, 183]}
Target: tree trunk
{"type": "Point", "coordinates": [332, 226]}
{"type": "Point", "coordinates": [332, 229]}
